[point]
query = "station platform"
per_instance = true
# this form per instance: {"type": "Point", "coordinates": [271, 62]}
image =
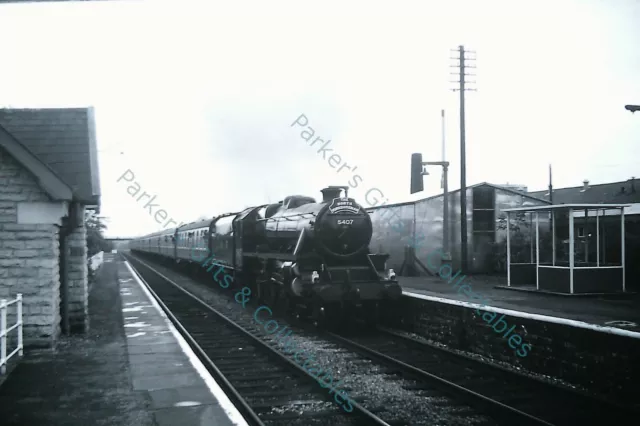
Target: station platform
{"type": "Point", "coordinates": [615, 314]}
{"type": "Point", "coordinates": [132, 368]}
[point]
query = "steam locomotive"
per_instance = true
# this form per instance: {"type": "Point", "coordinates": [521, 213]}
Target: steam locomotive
{"type": "Point", "coordinates": [298, 255]}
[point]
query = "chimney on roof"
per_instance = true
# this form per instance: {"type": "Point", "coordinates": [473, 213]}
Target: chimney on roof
{"type": "Point", "coordinates": [586, 184]}
{"type": "Point", "coordinates": [633, 186]}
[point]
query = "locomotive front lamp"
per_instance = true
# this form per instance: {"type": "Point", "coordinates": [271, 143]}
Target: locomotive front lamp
{"type": "Point", "coordinates": [392, 274]}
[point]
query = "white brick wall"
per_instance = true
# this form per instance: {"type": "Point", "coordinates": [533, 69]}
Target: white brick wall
{"type": "Point", "coordinates": [28, 256]}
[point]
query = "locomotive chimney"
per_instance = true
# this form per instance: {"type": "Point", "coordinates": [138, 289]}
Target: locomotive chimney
{"type": "Point", "coordinates": [329, 193]}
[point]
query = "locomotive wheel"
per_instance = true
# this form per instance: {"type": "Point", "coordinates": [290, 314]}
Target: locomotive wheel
{"type": "Point", "coordinates": [262, 291]}
{"type": "Point", "coordinates": [370, 314]}
{"type": "Point", "coordinates": [328, 315]}
{"type": "Point", "coordinates": [340, 315]}
{"type": "Point", "coordinates": [274, 297]}
{"type": "Point", "coordinates": [290, 304]}
{"type": "Point", "coordinates": [282, 303]}
{"type": "Point", "coordinates": [318, 313]}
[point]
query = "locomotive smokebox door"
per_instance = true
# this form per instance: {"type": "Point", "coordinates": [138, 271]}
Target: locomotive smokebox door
{"type": "Point", "coordinates": [343, 228]}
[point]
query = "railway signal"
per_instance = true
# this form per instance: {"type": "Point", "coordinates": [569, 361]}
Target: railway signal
{"type": "Point", "coordinates": [417, 171]}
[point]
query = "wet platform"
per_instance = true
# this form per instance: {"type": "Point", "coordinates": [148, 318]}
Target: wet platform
{"type": "Point", "coordinates": [614, 314]}
{"type": "Point", "coordinates": [132, 368]}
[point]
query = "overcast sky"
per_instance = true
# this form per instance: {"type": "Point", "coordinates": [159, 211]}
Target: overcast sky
{"type": "Point", "coordinates": [201, 96]}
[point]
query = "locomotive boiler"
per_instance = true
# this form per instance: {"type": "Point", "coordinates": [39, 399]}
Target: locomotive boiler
{"type": "Point", "coordinates": [338, 227]}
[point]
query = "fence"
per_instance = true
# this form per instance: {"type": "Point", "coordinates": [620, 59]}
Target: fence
{"type": "Point", "coordinates": [4, 331]}
{"type": "Point", "coordinates": [96, 260]}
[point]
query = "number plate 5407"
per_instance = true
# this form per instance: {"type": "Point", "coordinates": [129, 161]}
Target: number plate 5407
{"type": "Point", "coordinates": [345, 221]}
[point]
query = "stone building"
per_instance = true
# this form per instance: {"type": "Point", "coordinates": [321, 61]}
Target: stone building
{"type": "Point", "coordinates": [48, 178]}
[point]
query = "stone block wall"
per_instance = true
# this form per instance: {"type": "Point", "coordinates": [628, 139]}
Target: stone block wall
{"type": "Point", "coordinates": [78, 280]}
{"type": "Point", "coordinates": [29, 256]}
{"type": "Point", "coordinates": [602, 363]}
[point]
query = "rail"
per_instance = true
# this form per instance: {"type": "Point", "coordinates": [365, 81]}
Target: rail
{"type": "Point", "coordinates": [4, 331]}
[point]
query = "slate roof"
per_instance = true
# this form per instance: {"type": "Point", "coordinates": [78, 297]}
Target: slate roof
{"type": "Point", "coordinates": [65, 140]}
{"type": "Point", "coordinates": [605, 193]}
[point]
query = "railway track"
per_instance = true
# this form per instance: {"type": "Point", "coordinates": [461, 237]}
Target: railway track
{"type": "Point", "coordinates": [267, 387]}
{"type": "Point", "coordinates": [504, 396]}
{"type": "Point", "coordinates": [501, 391]}
{"type": "Point", "coordinates": [277, 391]}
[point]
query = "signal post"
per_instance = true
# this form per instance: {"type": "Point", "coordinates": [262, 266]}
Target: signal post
{"type": "Point", "coordinates": [417, 185]}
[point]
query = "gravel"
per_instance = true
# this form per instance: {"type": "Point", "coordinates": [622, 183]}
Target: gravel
{"type": "Point", "coordinates": [385, 394]}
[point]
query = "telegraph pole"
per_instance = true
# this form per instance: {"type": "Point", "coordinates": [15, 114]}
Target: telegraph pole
{"type": "Point", "coordinates": [446, 256]}
{"type": "Point", "coordinates": [462, 65]}
{"type": "Point", "coordinates": [550, 186]}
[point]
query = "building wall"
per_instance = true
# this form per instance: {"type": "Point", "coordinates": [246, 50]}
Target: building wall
{"type": "Point", "coordinates": [387, 239]}
{"type": "Point", "coordinates": [78, 280]}
{"type": "Point", "coordinates": [29, 256]}
{"type": "Point", "coordinates": [429, 225]}
{"type": "Point", "coordinates": [422, 228]}
{"type": "Point", "coordinates": [423, 224]}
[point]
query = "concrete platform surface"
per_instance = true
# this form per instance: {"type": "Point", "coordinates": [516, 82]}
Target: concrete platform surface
{"type": "Point", "coordinates": [130, 369]}
{"type": "Point", "coordinates": [606, 312]}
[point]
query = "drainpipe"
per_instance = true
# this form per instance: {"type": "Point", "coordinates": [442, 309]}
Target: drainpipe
{"type": "Point", "coordinates": [68, 224]}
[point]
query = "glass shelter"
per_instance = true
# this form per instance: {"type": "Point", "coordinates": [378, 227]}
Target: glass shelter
{"type": "Point", "coordinates": [567, 248]}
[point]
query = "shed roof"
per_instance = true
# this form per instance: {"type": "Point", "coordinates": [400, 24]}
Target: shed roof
{"type": "Point", "coordinates": [512, 191]}
{"type": "Point", "coordinates": [612, 193]}
{"type": "Point", "coordinates": [568, 206]}
{"type": "Point", "coordinates": [65, 140]}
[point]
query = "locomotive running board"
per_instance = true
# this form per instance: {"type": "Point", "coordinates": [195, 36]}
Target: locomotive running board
{"type": "Point", "coordinates": [269, 255]}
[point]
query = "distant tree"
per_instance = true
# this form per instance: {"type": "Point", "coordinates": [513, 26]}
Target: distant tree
{"type": "Point", "coordinates": [95, 239]}
{"type": "Point", "coordinates": [520, 241]}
